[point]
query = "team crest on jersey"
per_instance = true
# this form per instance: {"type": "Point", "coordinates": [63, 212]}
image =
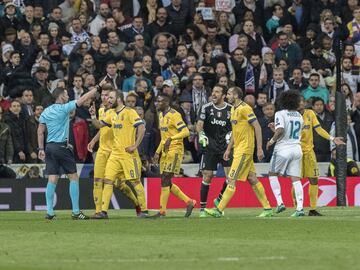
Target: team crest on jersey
{"type": "Point", "coordinates": [122, 118]}
{"type": "Point", "coordinates": [211, 112]}
{"type": "Point", "coordinates": [219, 114]}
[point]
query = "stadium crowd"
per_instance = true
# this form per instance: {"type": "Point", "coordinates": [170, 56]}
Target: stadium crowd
{"type": "Point", "coordinates": [179, 47]}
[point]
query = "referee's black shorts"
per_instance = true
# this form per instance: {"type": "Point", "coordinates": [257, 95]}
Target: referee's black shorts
{"type": "Point", "coordinates": [59, 159]}
{"type": "Point", "coordinates": [210, 161]}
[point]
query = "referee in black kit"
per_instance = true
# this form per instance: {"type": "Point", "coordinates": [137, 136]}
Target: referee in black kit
{"type": "Point", "coordinates": [58, 155]}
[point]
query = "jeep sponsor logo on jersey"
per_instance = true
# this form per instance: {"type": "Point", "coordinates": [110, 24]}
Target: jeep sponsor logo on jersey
{"type": "Point", "coordinates": [218, 122]}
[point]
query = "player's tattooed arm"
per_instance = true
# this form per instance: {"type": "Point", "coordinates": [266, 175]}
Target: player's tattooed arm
{"type": "Point", "coordinates": [279, 132]}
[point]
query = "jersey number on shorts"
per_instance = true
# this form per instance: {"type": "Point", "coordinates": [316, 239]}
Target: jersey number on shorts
{"type": "Point", "coordinates": [295, 129]}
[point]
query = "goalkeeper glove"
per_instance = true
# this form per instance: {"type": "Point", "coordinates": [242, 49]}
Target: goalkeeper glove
{"type": "Point", "coordinates": [203, 139]}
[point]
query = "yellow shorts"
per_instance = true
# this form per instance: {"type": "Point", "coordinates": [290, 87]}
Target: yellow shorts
{"type": "Point", "coordinates": [123, 167]}
{"type": "Point", "coordinates": [309, 165]}
{"type": "Point", "coordinates": [241, 166]}
{"type": "Point", "coordinates": [171, 161]}
{"type": "Point", "coordinates": [100, 163]}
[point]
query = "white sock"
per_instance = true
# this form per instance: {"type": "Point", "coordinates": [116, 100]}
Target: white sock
{"type": "Point", "coordinates": [299, 194]}
{"type": "Point", "coordinates": [276, 189]}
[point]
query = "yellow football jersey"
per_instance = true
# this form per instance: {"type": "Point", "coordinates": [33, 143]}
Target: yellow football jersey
{"type": "Point", "coordinates": [311, 122]}
{"type": "Point", "coordinates": [242, 131]}
{"type": "Point", "coordinates": [123, 124]}
{"type": "Point", "coordinates": [171, 124]}
{"type": "Point", "coordinates": [106, 134]}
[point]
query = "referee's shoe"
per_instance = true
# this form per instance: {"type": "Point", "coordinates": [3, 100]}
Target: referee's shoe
{"type": "Point", "coordinates": [79, 216]}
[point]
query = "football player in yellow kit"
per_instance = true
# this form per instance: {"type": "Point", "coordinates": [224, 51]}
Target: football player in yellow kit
{"type": "Point", "coordinates": [123, 162]}
{"type": "Point", "coordinates": [309, 164]}
{"type": "Point", "coordinates": [106, 138]}
{"type": "Point", "coordinates": [173, 130]}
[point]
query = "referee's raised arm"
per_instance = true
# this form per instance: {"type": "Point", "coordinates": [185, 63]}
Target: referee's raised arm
{"type": "Point", "coordinates": [91, 93]}
{"type": "Point", "coordinates": [86, 96]}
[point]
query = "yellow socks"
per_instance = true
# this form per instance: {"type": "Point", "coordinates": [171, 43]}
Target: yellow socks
{"type": "Point", "coordinates": [139, 188]}
{"type": "Point", "coordinates": [106, 196]}
{"type": "Point", "coordinates": [260, 194]}
{"type": "Point", "coordinates": [97, 193]}
{"type": "Point", "coordinates": [179, 194]}
{"type": "Point", "coordinates": [164, 197]}
{"type": "Point", "coordinates": [127, 191]}
{"type": "Point", "coordinates": [229, 192]}
{"type": "Point", "coordinates": [313, 195]}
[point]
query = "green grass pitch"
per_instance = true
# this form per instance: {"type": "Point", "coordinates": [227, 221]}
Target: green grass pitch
{"type": "Point", "coordinates": [237, 241]}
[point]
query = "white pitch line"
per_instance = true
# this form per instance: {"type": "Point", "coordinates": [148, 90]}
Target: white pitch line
{"type": "Point", "coordinates": [229, 259]}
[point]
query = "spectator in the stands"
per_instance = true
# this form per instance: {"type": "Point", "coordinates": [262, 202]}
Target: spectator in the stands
{"type": "Point", "coordinates": [264, 121]}
{"type": "Point", "coordinates": [273, 23]}
{"type": "Point", "coordinates": [129, 83]}
{"type": "Point", "coordinates": [31, 126]}
{"type": "Point", "coordinates": [77, 90]}
{"type": "Point", "coordinates": [277, 85]}
{"type": "Point", "coordinates": [291, 52]}
{"type": "Point", "coordinates": [355, 116]}
{"type": "Point", "coordinates": [6, 143]}
{"type": "Point", "coordinates": [314, 90]}
{"type": "Point", "coordinates": [348, 75]}
{"type": "Point", "coordinates": [180, 15]}
{"type": "Point", "coordinates": [261, 101]}
{"type": "Point", "coordinates": [131, 99]}
{"type": "Point", "coordinates": [27, 99]}
{"type": "Point", "coordinates": [161, 25]}
{"type": "Point", "coordinates": [116, 47]}
{"type": "Point", "coordinates": [352, 150]}
{"type": "Point", "coordinates": [99, 22]}
{"type": "Point", "coordinates": [325, 118]}
{"type": "Point", "coordinates": [297, 81]}
{"type": "Point", "coordinates": [16, 121]}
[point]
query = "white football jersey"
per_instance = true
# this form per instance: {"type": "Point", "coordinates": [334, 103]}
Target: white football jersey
{"type": "Point", "coordinates": [292, 123]}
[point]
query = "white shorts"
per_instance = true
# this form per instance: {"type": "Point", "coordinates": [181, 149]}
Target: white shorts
{"type": "Point", "coordinates": [287, 161]}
